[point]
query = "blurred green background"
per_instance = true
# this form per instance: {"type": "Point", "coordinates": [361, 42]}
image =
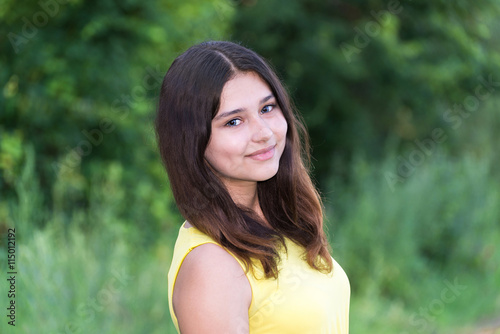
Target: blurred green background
{"type": "Point", "coordinates": [401, 99]}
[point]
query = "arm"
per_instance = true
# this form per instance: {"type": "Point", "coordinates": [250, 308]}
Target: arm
{"type": "Point", "coordinates": [211, 293]}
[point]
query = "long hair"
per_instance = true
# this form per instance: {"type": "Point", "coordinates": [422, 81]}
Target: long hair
{"type": "Point", "coordinates": [189, 100]}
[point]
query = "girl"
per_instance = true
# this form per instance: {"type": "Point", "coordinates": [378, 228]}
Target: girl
{"type": "Point", "coordinates": [252, 256]}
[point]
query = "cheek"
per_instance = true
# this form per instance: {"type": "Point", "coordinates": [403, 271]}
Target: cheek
{"type": "Point", "coordinates": [222, 149]}
{"type": "Point", "coordinates": [281, 127]}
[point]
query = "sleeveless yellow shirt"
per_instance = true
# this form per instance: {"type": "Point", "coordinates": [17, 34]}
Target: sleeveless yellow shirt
{"type": "Point", "coordinates": [301, 300]}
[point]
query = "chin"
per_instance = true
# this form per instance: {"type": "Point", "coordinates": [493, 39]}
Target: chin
{"type": "Point", "coordinates": [266, 175]}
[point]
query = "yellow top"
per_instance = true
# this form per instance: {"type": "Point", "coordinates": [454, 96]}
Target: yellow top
{"type": "Point", "coordinates": [302, 299]}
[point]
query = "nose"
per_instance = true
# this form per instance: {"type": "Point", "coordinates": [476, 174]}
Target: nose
{"type": "Point", "coordinates": [262, 131]}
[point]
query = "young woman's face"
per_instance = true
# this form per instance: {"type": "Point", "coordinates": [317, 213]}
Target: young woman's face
{"type": "Point", "coordinates": [248, 132]}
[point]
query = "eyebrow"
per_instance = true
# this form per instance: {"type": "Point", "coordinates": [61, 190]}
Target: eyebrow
{"type": "Point", "coordinates": [236, 111]}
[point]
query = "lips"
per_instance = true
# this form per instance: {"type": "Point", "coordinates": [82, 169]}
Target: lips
{"type": "Point", "coordinates": [263, 154]}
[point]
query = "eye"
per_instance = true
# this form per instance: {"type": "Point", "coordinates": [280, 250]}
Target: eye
{"type": "Point", "coordinates": [233, 122]}
{"type": "Point", "coordinates": [268, 108]}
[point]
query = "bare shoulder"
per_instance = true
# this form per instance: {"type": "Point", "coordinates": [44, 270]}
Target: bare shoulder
{"type": "Point", "coordinates": [211, 292]}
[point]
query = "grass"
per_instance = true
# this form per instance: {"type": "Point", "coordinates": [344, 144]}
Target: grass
{"type": "Point", "coordinates": [404, 248]}
{"type": "Point", "coordinates": [71, 282]}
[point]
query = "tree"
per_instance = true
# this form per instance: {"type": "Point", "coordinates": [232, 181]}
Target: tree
{"type": "Point", "coordinates": [81, 80]}
{"type": "Point", "coordinates": [364, 72]}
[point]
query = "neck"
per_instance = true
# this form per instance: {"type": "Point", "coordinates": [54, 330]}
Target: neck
{"type": "Point", "coordinates": [245, 194]}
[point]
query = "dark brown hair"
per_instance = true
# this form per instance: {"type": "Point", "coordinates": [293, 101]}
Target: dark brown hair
{"type": "Point", "coordinates": [189, 100]}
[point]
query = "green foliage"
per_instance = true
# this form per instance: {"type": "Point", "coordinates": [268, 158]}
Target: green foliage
{"type": "Point", "coordinates": [82, 182]}
{"type": "Point", "coordinates": [90, 271]}
{"type": "Point", "coordinates": [403, 246]}
{"type": "Point", "coordinates": [81, 81]}
{"type": "Point", "coordinates": [364, 71]}
{"type": "Point", "coordinates": [98, 281]}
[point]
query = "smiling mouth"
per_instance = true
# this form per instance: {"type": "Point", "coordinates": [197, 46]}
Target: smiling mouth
{"type": "Point", "coordinates": [264, 154]}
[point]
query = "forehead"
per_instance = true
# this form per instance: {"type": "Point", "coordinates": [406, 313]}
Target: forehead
{"type": "Point", "coordinates": [244, 89]}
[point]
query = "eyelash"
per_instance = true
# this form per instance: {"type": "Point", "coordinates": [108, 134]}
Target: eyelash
{"type": "Point", "coordinates": [269, 105]}
{"type": "Point", "coordinates": [236, 119]}
{"type": "Point", "coordinates": [233, 120]}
